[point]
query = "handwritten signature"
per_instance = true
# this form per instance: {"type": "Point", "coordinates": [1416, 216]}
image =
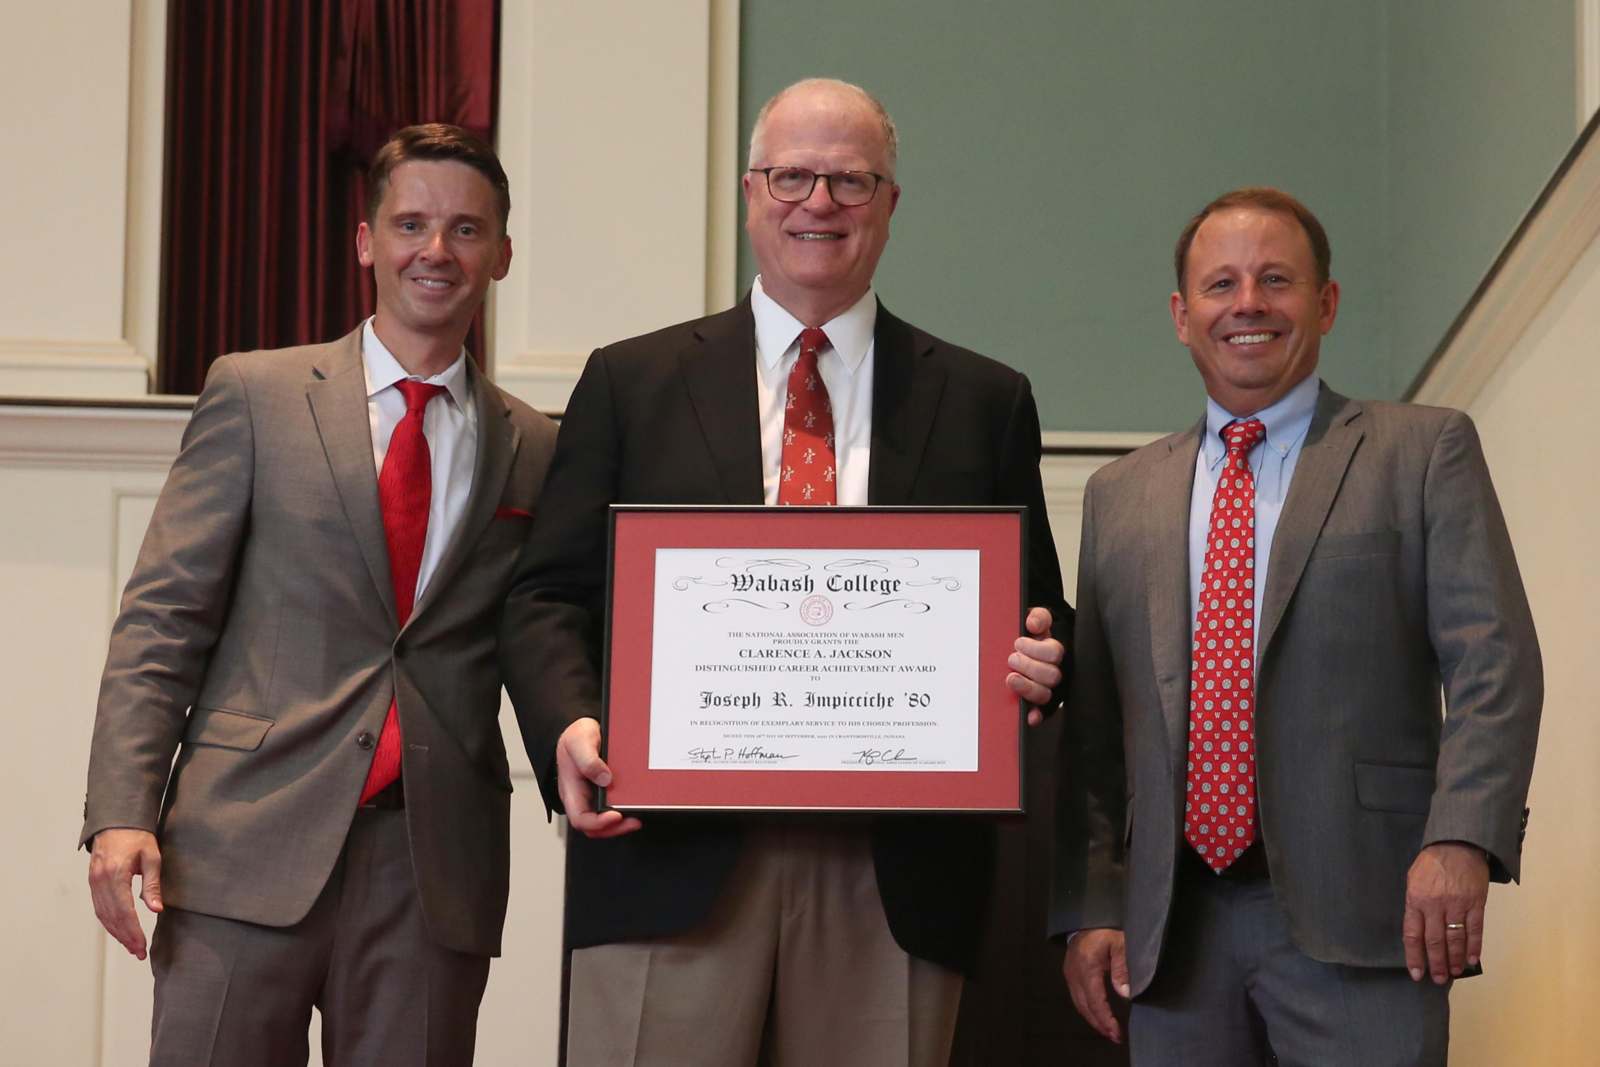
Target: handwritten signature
{"type": "Point", "coordinates": [740, 754]}
{"type": "Point", "coordinates": [871, 756]}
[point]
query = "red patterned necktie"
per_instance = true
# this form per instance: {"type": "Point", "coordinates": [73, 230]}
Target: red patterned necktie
{"type": "Point", "coordinates": [1219, 809]}
{"type": "Point", "coordinates": [405, 490]}
{"type": "Point", "coordinates": [808, 474]}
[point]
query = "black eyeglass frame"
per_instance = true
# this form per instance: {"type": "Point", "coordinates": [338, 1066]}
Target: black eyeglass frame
{"type": "Point", "coordinates": [878, 179]}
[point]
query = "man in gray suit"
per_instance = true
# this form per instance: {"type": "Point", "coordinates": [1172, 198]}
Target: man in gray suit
{"type": "Point", "coordinates": [311, 630]}
{"type": "Point", "coordinates": [1307, 876]}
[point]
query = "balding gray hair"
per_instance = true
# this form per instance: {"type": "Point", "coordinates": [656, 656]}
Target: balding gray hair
{"type": "Point", "coordinates": [891, 136]}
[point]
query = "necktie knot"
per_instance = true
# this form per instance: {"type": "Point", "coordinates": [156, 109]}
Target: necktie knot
{"type": "Point", "coordinates": [417, 394]}
{"type": "Point", "coordinates": [811, 341]}
{"type": "Point", "coordinates": [1241, 437]}
{"type": "Point", "coordinates": [807, 474]}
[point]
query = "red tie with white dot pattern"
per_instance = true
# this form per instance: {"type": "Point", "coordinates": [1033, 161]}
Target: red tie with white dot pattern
{"type": "Point", "coordinates": [807, 474]}
{"type": "Point", "coordinates": [1219, 809]}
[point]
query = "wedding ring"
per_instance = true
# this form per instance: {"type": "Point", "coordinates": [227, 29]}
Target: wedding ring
{"type": "Point", "coordinates": [1455, 926]}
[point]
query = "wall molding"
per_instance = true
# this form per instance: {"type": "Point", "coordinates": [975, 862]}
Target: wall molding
{"type": "Point", "coordinates": [543, 380]}
{"type": "Point", "coordinates": [1098, 442]}
{"type": "Point", "coordinates": [45, 367]}
{"type": "Point", "coordinates": [1560, 226]}
{"type": "Point", "coordinates": [147, 124]}
{"type": "Point", "coordinates": [723, 153]}
{"type": "Point", "coordinates": [1588, 42]}
{"type": "Point", "coordinates": [122, 437]}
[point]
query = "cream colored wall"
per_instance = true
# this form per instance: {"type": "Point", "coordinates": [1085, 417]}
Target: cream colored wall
{"type": "Point", "coordinates": [67, 82]}
{"type": "Point", "coordinates": [1536, 415]}
{"type": "Point", "coordinates": [621, 183]}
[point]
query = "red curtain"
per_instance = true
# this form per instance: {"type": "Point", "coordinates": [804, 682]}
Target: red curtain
{"type": "Point", "coordinates": [273, 109]}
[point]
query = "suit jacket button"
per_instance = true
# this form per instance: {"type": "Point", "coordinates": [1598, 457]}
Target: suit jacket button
{"type": "Point", "coordinates": [364, 739]}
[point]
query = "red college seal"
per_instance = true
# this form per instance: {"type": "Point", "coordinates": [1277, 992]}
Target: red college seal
{"type": "Point", "coordinates": [816, 610]}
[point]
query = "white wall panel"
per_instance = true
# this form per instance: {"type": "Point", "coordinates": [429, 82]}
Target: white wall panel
{"type": "Point", "coordinates": [66, 83]}
{"type": "Point", "coordinates": [1536, 416]}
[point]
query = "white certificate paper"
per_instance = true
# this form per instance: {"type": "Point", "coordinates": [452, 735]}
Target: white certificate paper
{"type": "Point", "coordinates": [815, 660]}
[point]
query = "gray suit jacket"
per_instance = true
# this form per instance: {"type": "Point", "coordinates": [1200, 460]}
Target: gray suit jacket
{"type": "Point", "coordinates": [1391, 576]}
{"type": "Point", "coordinates": [258, 642]}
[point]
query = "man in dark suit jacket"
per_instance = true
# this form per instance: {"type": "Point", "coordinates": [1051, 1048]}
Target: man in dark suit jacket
{"type": "Point", "coordinates": [854, 932]}
{"type": "Point", "coordinates": [286, 626]}
{"type": "Point", "coordinates": [1266, 876]}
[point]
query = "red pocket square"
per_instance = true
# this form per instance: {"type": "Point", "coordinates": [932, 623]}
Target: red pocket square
{"type": "Point", "coordinates": [512, 513]}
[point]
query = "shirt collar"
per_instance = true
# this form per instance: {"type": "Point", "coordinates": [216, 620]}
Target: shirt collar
{"type": "Point", "coordinates": [849, 333]}
{"type": "Point", "coordinates": [383, 370]}
{"type": "Point", "coordinates": [1287, 419]}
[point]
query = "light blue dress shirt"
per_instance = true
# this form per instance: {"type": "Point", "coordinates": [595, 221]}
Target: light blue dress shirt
{"type": "Point", "coordinates": [1272, 463]}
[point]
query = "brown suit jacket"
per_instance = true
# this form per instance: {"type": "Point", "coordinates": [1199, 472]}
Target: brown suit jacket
{"type": "Point", "coordinates": [1392, 579]}
{"type": "Point", "coordinates": [258, 642]}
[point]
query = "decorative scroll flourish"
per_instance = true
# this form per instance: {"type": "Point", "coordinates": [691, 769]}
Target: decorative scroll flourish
{"type": "Point", "coordinates": [717, 607]}
{"type": "Point", "coordinates": [950, 582]}
{"type": "Point", "coordinates": [776, 562]}
{"type": "Point", "coordinates": [684, 581]}
{"type": "Point", "coordinates": [917, 607]}
{"type": "Point", "coordinates": [879, 565]}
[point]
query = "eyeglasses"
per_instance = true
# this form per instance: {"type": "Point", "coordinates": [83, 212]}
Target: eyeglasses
{"type": "Point", "coordinates": [848, 188]}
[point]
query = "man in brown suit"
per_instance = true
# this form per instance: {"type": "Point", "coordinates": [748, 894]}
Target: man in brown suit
{"type": "Point", "coordinates": [311, 630]}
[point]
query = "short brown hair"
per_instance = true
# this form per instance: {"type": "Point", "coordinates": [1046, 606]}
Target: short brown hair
{"type": "Point", "coordinates": [1267, 199]}
{"type": "Point", "coordinates": [436, 141]}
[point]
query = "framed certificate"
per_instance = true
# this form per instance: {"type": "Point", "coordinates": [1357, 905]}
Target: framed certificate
{"type": "Point", "coordinates": [813, 659]}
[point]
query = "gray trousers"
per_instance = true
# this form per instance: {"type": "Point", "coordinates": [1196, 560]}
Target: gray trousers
{"type": "Point", "coordinates": [234, 994]}
{"type": "Point", "coordinates": [1233, 990]}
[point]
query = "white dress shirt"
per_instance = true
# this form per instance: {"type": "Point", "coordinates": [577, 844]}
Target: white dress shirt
{"type": "Point", "coordinates": [846, 369]}
{"type": "Point", "coordinates": [450, 423]}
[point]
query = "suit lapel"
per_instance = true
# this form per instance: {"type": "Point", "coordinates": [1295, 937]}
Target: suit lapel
{"type": "Point", "coordinates": [1167, 494]}
{"type": "Point", "coordinates": [1330, 443]}
{"type": "Point", "coordinates": [338, 398]}
{"type": "Point", "coordinates": [720, 375]}
{"type": "Point", "coordinates": [906, 387]}
{"type": "Point", "coordinates": [498, 439]}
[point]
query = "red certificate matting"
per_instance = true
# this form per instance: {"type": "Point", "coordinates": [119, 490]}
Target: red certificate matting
{"type": "Point", "coordinates": [997, 535]}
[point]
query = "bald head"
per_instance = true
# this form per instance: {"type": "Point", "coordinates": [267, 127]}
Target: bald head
{"type": "Point", "coordinates": [822, 97]}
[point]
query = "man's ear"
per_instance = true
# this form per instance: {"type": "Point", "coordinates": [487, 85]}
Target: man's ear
{"type": "Point", "coordinates": [1180, 317]}
{"type": "Point", "coordinates": [503, 266]}
{"type": "Point", "coordinates": [1328, 305]}
{"type": "Point", "coordinates": [364, 245]}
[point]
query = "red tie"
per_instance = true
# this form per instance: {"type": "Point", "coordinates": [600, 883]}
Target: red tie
{"type": "Point", "coordinates": [405, 488]}
{"type": "Point", "coordinates": [1219, 806]}
{"type": "Point", "coordinates": [808, 475]}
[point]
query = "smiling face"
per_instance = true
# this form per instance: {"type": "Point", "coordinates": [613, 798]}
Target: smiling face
{"type": "Point", "coordinates": [1253, 313]}
{"type": "Point", "coordinates": [817, 258]}
{"type": "Point", "coordinates": [434, 245]}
